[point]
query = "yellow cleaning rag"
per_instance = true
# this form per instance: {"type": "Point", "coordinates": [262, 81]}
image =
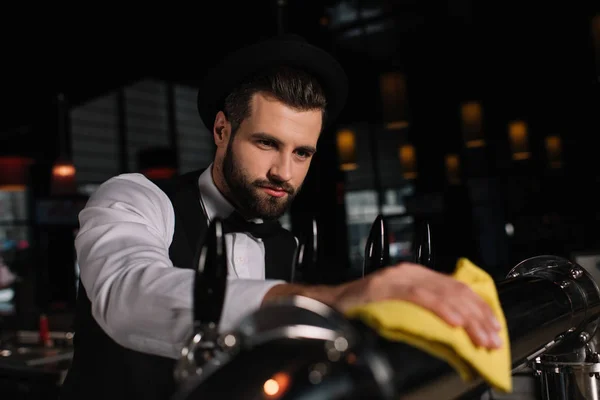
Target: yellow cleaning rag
{"type": "Point", "coordinates": [421, 328]}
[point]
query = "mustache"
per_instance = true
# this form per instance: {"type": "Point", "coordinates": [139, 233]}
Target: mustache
{"type": "Point", "coordinates": [286, 187]}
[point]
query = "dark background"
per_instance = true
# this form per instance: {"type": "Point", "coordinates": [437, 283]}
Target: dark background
{"type": "Point", "coordinates": [521, 60]}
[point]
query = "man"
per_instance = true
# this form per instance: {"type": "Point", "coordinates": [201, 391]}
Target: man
{"type": "Point", "coordinates": [266, 106]}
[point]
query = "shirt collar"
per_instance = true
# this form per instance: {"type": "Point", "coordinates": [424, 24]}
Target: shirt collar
{"type": "Point", "coordinates": [215, 204]}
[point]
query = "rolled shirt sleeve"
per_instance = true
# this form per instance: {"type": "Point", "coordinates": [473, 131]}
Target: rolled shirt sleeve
{"type": "Point", "coordinates": [138, 297]}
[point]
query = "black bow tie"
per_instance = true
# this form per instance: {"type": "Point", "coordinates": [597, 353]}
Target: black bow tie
{"type": "Point", "coordinates": [237, 223]}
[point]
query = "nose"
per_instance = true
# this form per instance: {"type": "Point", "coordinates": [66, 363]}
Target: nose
{"type": "Point", "coordinates": [281, 170]}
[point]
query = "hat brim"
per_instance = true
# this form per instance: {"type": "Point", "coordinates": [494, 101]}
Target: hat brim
{"type": "Point", "coordinates": [243, 63]}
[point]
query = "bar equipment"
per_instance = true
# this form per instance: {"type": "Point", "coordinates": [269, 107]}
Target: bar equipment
{"type": "Point", "coordinates": [423, 251]}
{"type": "Point", "coordinates": [210, 284]}
{"type": "Point", "coordinates": [305, 263]}
{"type": "Point", "coordinates": [377, 248]}
{"type": "Point", "coordinates": [299, 348]}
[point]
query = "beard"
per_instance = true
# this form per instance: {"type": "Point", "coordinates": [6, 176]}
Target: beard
{"type": "Point", "coordinates": [248, 195]}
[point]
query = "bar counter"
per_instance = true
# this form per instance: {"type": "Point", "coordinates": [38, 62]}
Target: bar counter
{"type": "Point", "coordinates": [31, 371]}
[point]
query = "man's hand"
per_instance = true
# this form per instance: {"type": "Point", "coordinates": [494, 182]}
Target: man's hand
{"type": "Point", "coordinates": [450, 299]}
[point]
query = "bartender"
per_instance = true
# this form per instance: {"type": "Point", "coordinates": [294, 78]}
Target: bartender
{"type": "Point", "coordinates": [266, 106]}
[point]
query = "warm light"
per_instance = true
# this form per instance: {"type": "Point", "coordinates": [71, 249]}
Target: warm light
{"type": "Point", "coordinates": [14, 172]}
{"type": "Point", "coordinates": [472, 124]}
{"type": "Point", "coordinates": [346, 144]}
{"type": "Point", "coordinates": [277, 385]}
{"type": "Point", "coordinates": [522, 155]}
{"type": "Point", "coordinates": [63, 170]}
{"type": "Point", "coordinates": [396, 125]}
{"type": "Point", "coordinates": [63, 179]}
{"type": "Point", "coordinates": [453, 169]}
{"type": "Point", "coordinates": [394, 100]}
{"type": "Point", "coordinates": [13, 188]}
{"type": "Point", "coordinates": [517, 131]}
{"type": "Point", "coordinates": [408, 160]}
{"type": "Point", "coordinates": [271, 387]}
{"type": "Point", "coordinates": [159, 173]}
{"type": "Point", "coordinates": [554, 151]}
{"type": "Point", "coordinates": [348, 166]}
{"type": "Point", "coordinates": [471, 116]}
{"type": "Point", "coordinates": [472, 144]}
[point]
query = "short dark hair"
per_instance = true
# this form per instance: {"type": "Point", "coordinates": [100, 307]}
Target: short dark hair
{"type": "Point", "coordinates": [292, 86]}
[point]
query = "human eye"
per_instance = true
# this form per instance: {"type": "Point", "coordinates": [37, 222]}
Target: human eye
{"type": "Point", "coordinates": [265, 143]}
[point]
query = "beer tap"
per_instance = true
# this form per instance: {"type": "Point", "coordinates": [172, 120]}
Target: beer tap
{"type": "Point", "coordinates": [210, 283]}
{"type": "Point", "coordinates": [305, 261]}
{"type": "Point", "coordinates": [377, 249]}
{"type": "Point", "coordinates": [423, 252]}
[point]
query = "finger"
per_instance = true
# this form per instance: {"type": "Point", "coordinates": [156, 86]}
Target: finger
{"type": "Point", "coordinates": [483, 311]}
{"type": "Point", "coordinates": [472, 320]}
{"type": "Point", "coordinates": [430, 300]}
{"type": "Point", "coordinates": [478, 313]}
{"type": "Point", "coordinates": [454, 313]}
{"type": "Point", "coordinates": [478, 334]}
{"type": "Point", "coordinates": [472, 310]}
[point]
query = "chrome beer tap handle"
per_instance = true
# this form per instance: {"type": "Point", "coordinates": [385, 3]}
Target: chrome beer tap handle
{"type": "Point", "coordinates": [377, 249]}
{"type": "Point", "coordinates": [210, 283]}
{"type": "Point", "coordinates": [423, 251]}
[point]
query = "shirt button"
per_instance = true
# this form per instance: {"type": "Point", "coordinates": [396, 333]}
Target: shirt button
{"type": "Point", "coordinates": [239, 259]}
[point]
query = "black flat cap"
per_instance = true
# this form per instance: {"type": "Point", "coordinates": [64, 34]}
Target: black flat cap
{"type": "Point", "coordinates": [291, 50]}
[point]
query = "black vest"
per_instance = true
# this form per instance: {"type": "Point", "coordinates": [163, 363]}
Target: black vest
{"type": "Point", "coordinates": [103, 369]}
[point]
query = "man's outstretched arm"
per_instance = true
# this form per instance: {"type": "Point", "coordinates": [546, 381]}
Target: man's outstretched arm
{"type": "Point", "coordinates": [450, 299]}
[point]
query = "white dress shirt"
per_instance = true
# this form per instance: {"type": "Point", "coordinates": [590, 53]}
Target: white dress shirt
{"type": "Point", "coordinates": [138, 297]}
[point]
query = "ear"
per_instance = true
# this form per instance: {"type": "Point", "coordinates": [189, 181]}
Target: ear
{"type": "Point", "coordinates": [221, 129]}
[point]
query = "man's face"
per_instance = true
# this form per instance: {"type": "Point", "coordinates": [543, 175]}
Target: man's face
{"type": "Point", "coordinates": [268, 158]}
